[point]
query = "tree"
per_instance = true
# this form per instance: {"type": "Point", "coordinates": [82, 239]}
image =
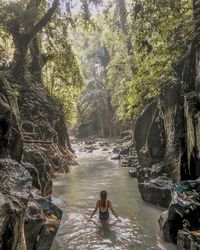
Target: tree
{"type": "Point", "coordinates": [22, 22]}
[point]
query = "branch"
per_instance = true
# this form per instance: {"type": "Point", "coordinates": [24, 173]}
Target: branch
{"type": "Point", "coordinates": [45, 19]}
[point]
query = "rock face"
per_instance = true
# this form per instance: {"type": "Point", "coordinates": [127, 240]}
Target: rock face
{"type": "Point", "coordinates": [183, 212]}
{"type": "Point", "coordinates": [162, 139]}
{"type": "Point", "coordinates": [41, 223]}
{"type": "Point", "coordinates": [42, 115]}
{"type": "Point", "coordinates": [172, 112]}
{"type": "Point", "coordinates": [10, 136]}
{"type": "Point", "coordinates": [14, 196]}
{"type": "Point", "coordinates": [28, 218]}
{"type": "Point", "coordinates": [188, 240]}
{"type": "Point", "coordinates": [192, 113]}
{"type": "Point", "coordinates": [167, 136]}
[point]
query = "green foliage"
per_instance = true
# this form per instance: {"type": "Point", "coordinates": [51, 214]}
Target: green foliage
{"type": "Point", "coordinates": [159, 33]}
{"type": "Point", "coordinates": [126, 52]}
{"type": "Point", "coordinates": [62, 73]}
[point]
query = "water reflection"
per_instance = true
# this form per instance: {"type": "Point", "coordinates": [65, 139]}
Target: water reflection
{"type": "Point", "coordinates": [77, 194]}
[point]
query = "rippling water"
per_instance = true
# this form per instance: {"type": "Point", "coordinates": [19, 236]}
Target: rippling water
{"type": "Point", "coordinates": [77, 194]}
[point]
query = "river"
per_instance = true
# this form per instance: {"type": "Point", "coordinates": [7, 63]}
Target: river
{"type": "Point", "coordinates": [76, 194]}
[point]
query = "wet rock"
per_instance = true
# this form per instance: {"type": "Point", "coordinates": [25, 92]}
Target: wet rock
{"type": "Point", "coordinates": [15, 185]}
{"type": "Point", "coordinates": [115, 157]}
{"type": "Point", "coordinates": [189, 240]}
{"type": "Point", "coordinates": [184, 210]}
{"type": "Point", "coordinates": [158, 169]}
{"type": "Point", "coordinates": [89, 142]}
{"type": "Point", "coordinates": [34, 174]}
{"type": "Point", "coordinates": [143, 174]}
{"type": "Point", "coordinates": [116, 150]}
{"type": "Point", "coordinates": [90, 148]}
{"type": "Point", "coordinates": [124, 151]}
{"type": "Point", "coordinates": [124, 164]}
{"type": "Point", "coordinates": [156, 191]}
{"type": "Point", "coordinates": [133, 173]}
{"type": "Point", "coordinates": [41, 223]}
{"type": "Point", "coordinates": [34, 222]}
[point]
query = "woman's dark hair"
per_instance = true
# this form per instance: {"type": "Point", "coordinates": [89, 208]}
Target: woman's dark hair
{"type": "Point", "coordinates": [103, 195]}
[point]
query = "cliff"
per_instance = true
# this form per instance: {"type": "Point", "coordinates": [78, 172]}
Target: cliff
{"type": "Point", "coordinates": [168, 145]}
{"type": "Point", "coordinates": [34, 145]}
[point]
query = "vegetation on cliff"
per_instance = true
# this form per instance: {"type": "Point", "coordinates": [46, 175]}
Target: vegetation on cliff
{"type": "Point", "coordinates": [122, 51]}
{"type": "Point", "coordinates": [143, 40]}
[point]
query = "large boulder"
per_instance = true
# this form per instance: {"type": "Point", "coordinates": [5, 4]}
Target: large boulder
{"type": "Point", "coordinates": [15, 185]}
{"type": "Point", "coordinates": [41, 223]}
{"type": "Point", "coordinates": [184, 210]}
{"type": "Point", "coordinates": [156, 191]}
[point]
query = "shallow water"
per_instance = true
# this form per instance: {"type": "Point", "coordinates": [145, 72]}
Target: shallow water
{"type": "Point", "coordinates": [77, 193]}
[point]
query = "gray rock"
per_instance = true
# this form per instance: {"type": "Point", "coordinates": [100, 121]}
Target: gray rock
{"type": "Point", "coordinates": [15, 185]}
{"type": "Point", "coordinates": [41, 223]}
{"type": "Point", "coordinates": [184, 210]}
{"type": "Point", "coordinates": [188, 240]}
{"type": "Point", "coordinates": [115, 157]}
{"type": "Point", "coordinates": [10, 138]}
{"type": "Point", "coordinates": [37, 159]}
{"type": "Point", "coordinates": [133, 173]}
{"type": "Point", "coordinates": [157, 192]}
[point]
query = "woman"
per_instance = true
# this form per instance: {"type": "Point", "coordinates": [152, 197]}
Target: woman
{"type": "Point", "coordinates": [103, 205]}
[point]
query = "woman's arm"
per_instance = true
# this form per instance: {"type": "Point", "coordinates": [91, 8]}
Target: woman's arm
{"type": "Point", "coordinates": [93, 213]}
{"type": "Point", "coordinates": [112, 210]}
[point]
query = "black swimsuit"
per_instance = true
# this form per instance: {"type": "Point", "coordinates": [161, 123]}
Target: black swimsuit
{"type": "Point", "coordinates": [103, 215]}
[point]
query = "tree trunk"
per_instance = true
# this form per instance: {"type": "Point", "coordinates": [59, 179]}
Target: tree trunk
{"type": "Point", "coordinates": [20, 55]}
{"type": "Point", "coordinates": [36, 67]}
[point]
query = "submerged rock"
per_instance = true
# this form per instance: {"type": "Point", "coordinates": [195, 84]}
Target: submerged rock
{"type": "Point", "coordinates": [133, 173]}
